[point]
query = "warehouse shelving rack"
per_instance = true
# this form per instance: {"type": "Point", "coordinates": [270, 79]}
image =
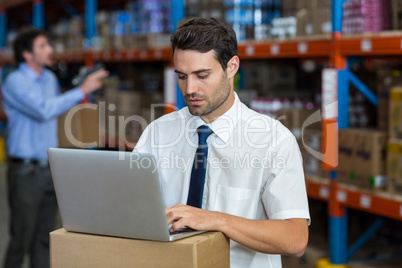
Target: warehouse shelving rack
{"type": "Point", "coordinates": [336, 48]}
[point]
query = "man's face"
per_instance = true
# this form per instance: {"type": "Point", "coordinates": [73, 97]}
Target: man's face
{"type": "Point", "coordinates": [42, 52]}
{"type": "Point", "coordinates": [203, 83]}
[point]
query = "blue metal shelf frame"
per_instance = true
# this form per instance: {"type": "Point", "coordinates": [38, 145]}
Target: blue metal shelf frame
{"type": "Point", "coordinates": [38, 14]}
{"type": "Point", "coordinates": [3, 28]}
{"type": "Point", "coordinates": [90, 27]}
{"type": "Point", "coordinates": [178, 13]}
{"type": "Point", "coordinates": [339, 253]}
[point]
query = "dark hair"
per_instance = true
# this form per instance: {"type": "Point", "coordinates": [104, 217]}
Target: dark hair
{"type": "Point", "coordinates": [24, 42]}
{"type": "Point", "coordinates": [204, 35]}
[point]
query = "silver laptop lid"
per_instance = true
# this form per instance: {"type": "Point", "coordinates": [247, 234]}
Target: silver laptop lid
{"type": "Point", "coordinates": [104, 192]}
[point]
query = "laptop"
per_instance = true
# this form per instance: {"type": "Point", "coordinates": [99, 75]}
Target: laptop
{"type": "Point", "coordinates": [111, 193]}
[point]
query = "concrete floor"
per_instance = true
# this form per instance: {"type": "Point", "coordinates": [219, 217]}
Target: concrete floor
{"type": "Point", "coordinates": [4, 215]}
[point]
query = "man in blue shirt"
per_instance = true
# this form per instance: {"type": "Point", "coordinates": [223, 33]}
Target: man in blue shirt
{"type": "Point", "coordinates": [32, 102]}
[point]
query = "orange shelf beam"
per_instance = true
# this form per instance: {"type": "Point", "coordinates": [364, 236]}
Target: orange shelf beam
{"type": "Point", "coordinates": [318, 189]}
{"type": "Point", "coordinates": [6, 59]}
{"type": "Point", "coordinates": [382, 204]}
{"type": "Point", "coordinates": [157, 54]}
{"type": "Point", "coordinates": [285, 49]}
{"type": "Point", "coordinates": [12, 3]}
{"type": "Point", "coordinates": [70, 56]}
{"type": "Point", "coordinates": [371, 45]}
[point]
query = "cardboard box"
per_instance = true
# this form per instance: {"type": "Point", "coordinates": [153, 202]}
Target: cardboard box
{"type": "Point", "coordinates": [370, 161]}
{"type": "Point", "coordinates": [312, 138]}
{"type": "Point", "coordinates": [129, 103]}
{"type": "Point", "coordinates": [304, 23]}
{"type": "Point", "coordinates": [294, 119]}
{"type": "Point", "coordinates": [289, 8]}
{"type": "Point", "coordinates": [347, 155]}
{"type": "Point", "coordinates": [84, 128]}
{"type": "Point", "coordinates": [322, 21]}
{"type": "Point", "coordinates": [386, 80]}
{"type": "Point", "coordinates": [362, 158]}
{"type": "Point", "coordinates": [69, 249]}
{"type": "Point", "coordinates": [308, 4]}
{"type": "Point", "coordinates": [395, 114]}
{"type": "Point", "coordinates": [321, 4]}
{"type": "Point", "coordinates": [396, 14]}
{"type": "Point", "coordinates": [394, 166]}
{"type": "Point", "coordinates": [266, 76]}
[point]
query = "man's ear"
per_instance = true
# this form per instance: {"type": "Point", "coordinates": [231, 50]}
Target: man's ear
{"type": "Point", "coordinates": [26, 55]}
{"type": "Point", "coordinates": [233, 66]}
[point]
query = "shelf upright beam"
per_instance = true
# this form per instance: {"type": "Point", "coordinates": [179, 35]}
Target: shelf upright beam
{"type": "Point", "coordinates": [90, 27]}
{"type": "Point", "coordinates": [178, 13]}
{"type": "Point", "coordinates": [3, 27]}
{"type": "Point", "coordinates": [38, 14]}
{"type": "Point", "coordinates": [338, 220]}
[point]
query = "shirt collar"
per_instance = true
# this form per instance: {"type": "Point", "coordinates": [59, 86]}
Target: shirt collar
{"type": "Point", "coordinates": [223, 125]}
{"type": "Point", "coordinates": [29, 72]}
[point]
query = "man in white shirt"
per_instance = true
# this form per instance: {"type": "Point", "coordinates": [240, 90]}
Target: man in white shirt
{"type": "Point", "coordinates": [242, 174]}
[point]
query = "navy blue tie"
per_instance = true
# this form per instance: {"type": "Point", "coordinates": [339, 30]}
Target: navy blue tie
{"type": "Point", "coordinates": [199, 167]}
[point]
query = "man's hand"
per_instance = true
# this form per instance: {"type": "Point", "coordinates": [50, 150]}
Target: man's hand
{"type": "Point", "coordinates": [93, 81]}
{"type": "Point", "coordinates": [287, 237]}
{"type": "Point", "coordinates": [199, 219]}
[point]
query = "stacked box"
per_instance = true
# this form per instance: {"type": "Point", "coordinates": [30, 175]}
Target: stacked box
{"type": "Point", "coordinates": [387, 79]}
{"type": "Point", "coordinates": [304, 23]}
{"type": "Point", "coordinates": [312, 138]}
{"type": "Point", "coordinates": [289, 8]}
{"type": "Point", "coordinates": [396, 7]}
{"type": "Point", "coordinates": [395, 114]}
{"type": "Point", "coordinates": [370, 161]}
{"type": "Point", "coordinates": [314, 21]}
{"type": "Point", "coordinates": [362, 158]}
{"type": "Point", "coordinates": [154, 40]}
{"type": "Point", "coordinates": [69, 249]}
{"type": "Point", "coordinates": [361, 16]}
{"type": "Point", "coordinates": [394, 166]}
{"type": "Point", "coordinates": [269, 76]}
{"type": "Point", "coordinates": [346, 156]}
{"type": "Point", "coordinates": [294, 119]}
{"type": "Point", "coordinates": [79, 128]}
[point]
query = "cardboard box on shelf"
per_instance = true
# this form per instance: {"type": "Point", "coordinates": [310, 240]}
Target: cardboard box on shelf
{"type": "Point", "coordinates": [394, 166]}
{"type": "Point", "coordinates": [347, 156]}
{"type": "Point", "coordinates": [129, 103]}
{"type": "Point", "coordinates": [322, 21]}
{"type": "Point", "coordinates": [266, 76]}
{"type": "Point", "coordinates": [153, 40]}
{"type": "Point", "coordinates": [294, 119]}
{"type": "Point", "coordinates": [289, 8]}
{"type": "Point", "coordinates": [370, 161]}
{"type": "Point", "coordinates": [312, 138]}
{"type": "Point", "coordinates": [396, 9]}
{"type": "Point", "coordinates": [69, 249]}
{"type": "Point", "coordinates": [304, 23]}
{"type": "Point", "coordinates": [308, 4]}
{"type": "Point", "coordinates": [321, 4]}
{"type": "Point", "coordinates": [386, 80]}
{"type": "Point", "coordinates": [81, 130]}
{"type": "Point", "coordinates": [395, 113]}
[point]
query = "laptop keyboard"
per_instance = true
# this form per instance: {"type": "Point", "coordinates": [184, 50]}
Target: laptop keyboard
{"type": "Point", "coordinates": [182, 230]}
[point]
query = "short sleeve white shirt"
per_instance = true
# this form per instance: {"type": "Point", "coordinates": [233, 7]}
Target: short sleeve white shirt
{"type": "Point", "coordinates": [254, 169]}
